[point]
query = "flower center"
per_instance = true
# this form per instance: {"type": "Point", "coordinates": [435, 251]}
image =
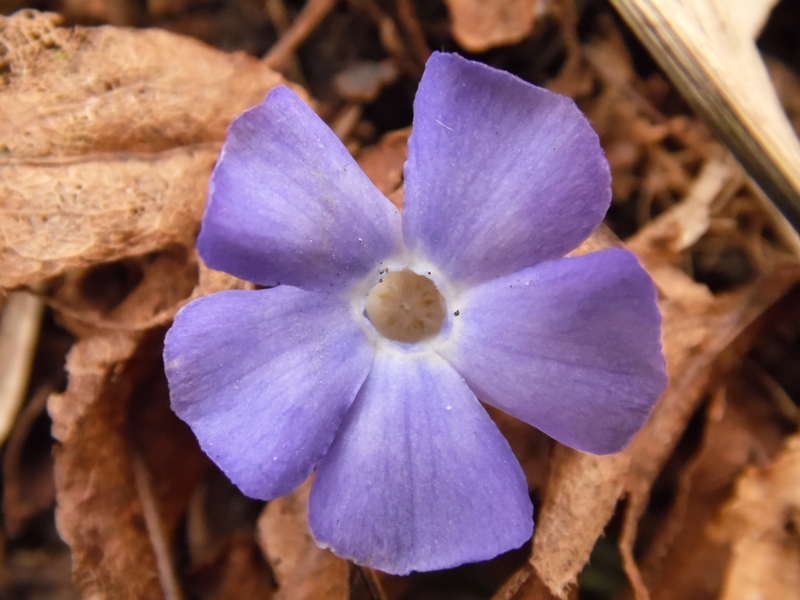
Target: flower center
{"type": "Point", "coordinates": [406, 307]}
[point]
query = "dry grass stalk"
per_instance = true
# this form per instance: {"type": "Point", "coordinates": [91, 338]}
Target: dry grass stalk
{"type": "Point", "coordinates": [709, 53]}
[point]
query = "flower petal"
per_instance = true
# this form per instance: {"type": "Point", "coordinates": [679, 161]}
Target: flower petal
{"type": "Point", "coordinates": [501, 175]}
{"type": "Point", "coordinates": [570, 346]}
{"type": "Point", "coordinates": [264, 379]}
{"type": "Point", "coordinates": [288, 204]}
{"type": "Point", "coordinates": [419, 477]}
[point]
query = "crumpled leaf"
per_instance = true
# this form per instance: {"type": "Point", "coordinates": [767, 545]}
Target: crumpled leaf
{"type": "Point", "coordinates": [762, 523]}
{"type": "Point", "coordinates": [125, 465]}
{"type": "Point", "coordinates": [99, 513]}
{"type": "Point", "coordinates": [479, 25]}
{"type": "Point", "coordinates": [741, 429]}
{"type": "Point", "coordinates": [108, 138]}
{"type": "Point", "coordinates": [303, 570]}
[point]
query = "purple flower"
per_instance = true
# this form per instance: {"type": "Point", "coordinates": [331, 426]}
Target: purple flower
{"type": "Point", "coordinates": [365, 360]}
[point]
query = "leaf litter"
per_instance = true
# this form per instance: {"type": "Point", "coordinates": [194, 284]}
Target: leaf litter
{"type": "Point", "coordinates": [108, 137]}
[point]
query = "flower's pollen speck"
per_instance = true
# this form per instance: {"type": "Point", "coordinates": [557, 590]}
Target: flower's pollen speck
{"type": "Point", "coordinates": [406, 307]}
{"type": "Point", "coordinates": [448, 407]}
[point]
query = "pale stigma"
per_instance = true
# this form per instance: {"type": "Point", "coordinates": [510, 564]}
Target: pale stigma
{"type": "Point", "coordinates": [406, 307]}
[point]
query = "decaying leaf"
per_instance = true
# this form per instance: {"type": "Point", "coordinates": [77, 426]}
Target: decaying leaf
{"type": "Point", "coordinates": [762, 523]}
{"type": "Point", "coordinates": [525, 584]}
{"type": "Point", "coordinates": [479, 25]}
{"type": "Point", "coordinates": [740, 430]}
{"type": "Point", "coordinates": [303, 571]}
{"type": "Point", "coordinates": [245, 573]}
{"type": "Point", "coordinates": [383, 164]}
{"type": "Point", "coordinates": [99, 512]}
{"type": "Point", "coordinates": [108, 140]}
{"type": "Point", "coordinates": [125, 465]}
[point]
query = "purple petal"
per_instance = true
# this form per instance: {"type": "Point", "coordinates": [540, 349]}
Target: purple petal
{"type": "Point", "coordinates": [501, 175]}
{"type": "Point", "coordinates": [288, 204]}
{"type": "Point", "coordinates": [419, 477]}
{"type": "Point", "coordinates": [264, 379]}
{"type": "Point", "coordinates": [570, 346]}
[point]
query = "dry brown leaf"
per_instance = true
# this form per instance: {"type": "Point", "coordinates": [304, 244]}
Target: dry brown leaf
{"type": "Point", "coordinates": [685, 223]}
{"type": "Point", "coordinates": [303, 570]}
{"type": "Point", "coordinates": [99, 512]}
{"type": "Point", "coordinates": [729, 327]}
{"type": "Point", "coordinates": [383, 164]}
{"type": "Point", "coordinates": [479, 25]}
{"type": "Point", "coordinates": [581, 495]}
{"type": "Point", "coordinates": [245, 574]}
{"type": "Point", "coordinates": [761, 522]}
{"type": "Point", "coordinates": [526, 585]}
{"type": "Point", "coordinates": [741, 429]}
{"type": "Point", "coordinates": [125, 465]}
{"type": "Point", "coordinates": [109, 136]}
{"type": "Point", "coordinates": [89, 301]}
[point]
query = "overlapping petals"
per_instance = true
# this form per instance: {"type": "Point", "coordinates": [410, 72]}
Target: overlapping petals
{"type": "Point", "coordinates": [502, 178]}
{"type": "Point", "coordinates": [264, 379]}
{"type": "Point", "coordinates": [501, 175]}
{"type": "Point", "coordinates": [419, 476]}
{"type": "Point", "coordinates": [289, 205]}
{"type": "Point", "coordinates": [570, 346]}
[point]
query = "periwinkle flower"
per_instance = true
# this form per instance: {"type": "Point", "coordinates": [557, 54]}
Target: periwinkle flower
{"type": "Point", "coordinates": [367, 357]}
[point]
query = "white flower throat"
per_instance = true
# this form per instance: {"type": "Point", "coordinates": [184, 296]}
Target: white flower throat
{"type": "Point", "coordinates": [406, 307]}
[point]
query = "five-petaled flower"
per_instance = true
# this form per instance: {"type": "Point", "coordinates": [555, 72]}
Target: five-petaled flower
{"type": "Point", "coordinates": [366, 359]}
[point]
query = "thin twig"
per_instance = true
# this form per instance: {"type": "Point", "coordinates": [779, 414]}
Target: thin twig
{"type": "Point", "coordinates": [407, 15]}
{"type": "Point", "coordinates": [313, 13]}
{"type": "Point", "coordinates": [166, 569]}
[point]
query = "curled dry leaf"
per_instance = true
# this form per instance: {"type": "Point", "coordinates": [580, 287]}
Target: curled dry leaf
{"type": "Point", "coordinates": [479, 25]}
{"type": "Point", "coordinates": [136, 294]}
{"type": "Point", "coordinates": [115, 431]}
{"type": "Point", "coordinates": [108, 138]}
{"type": "Point", "coordinates": [303, 570]}
{"type": "Point", "coordinates": [740, 429]}
{"type": "Point", "coordinates": [762, 523]}
{"type": "Point", "coordinates": [99, 513]}
{"type": "Point", "coordinates": [125, 465]}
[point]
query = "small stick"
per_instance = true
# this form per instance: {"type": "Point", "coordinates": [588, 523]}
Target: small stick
{"type": "Point", "coordinates": [407, 15]}
{"type": "Point", "coordinates": [166, 569]}
{"type": "Point", "coordinates": [313, 13]}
